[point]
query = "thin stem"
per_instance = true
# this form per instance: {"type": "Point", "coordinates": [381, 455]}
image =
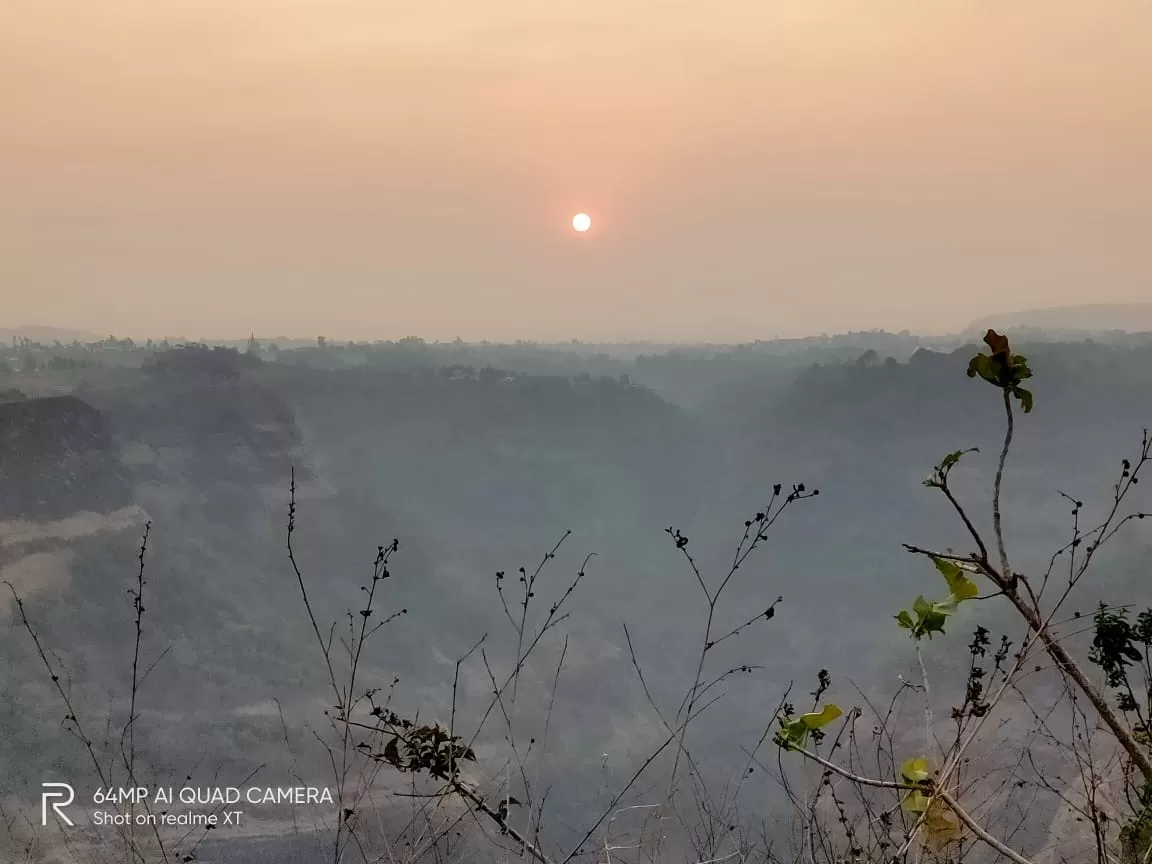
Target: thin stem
{"type": "Point", "coordinates": [138, 605]}
{"type": "Point", "coordinates": [997, 525]}
{"type": "Point", "coordinates": [927, 701]}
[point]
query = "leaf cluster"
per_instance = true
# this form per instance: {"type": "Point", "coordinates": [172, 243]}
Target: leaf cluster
{"type": "Point", "coordinates": [938, 822]}
{"type": "Point", "coordinates": [926, 617]}
{"type": "Point", "coordinates": [1115, 640]}
{"type": "Point", "coordinates": [1002, 368]}
{"type": "Point", "coordinates": [429, 749]}
{"type": "Point", "coordinates": [794, 731]}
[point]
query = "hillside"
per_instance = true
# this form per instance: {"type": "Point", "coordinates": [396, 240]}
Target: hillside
{"type": "Point", "coordinates": [1089, 318]}
{"type": "Point", "coordinates": [477, 471]}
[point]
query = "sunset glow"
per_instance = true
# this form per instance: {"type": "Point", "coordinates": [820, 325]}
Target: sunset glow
{"type": "Point", "coordinates": [850, 154]}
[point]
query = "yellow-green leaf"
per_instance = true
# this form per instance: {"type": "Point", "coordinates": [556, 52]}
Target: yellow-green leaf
{"type": "Point", "coordinates": [915, 770]}
{"type": "Point", "coordinates": [821, 718]}
{"type": "Point", "coordinates": [959, 585]}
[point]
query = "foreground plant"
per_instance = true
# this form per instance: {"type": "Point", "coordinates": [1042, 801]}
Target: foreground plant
{"type": "Point", "coordinates": [931, 796]}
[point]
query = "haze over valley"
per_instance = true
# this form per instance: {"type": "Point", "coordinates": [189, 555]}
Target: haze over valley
{"type": "Point", "coordinates": [611, 432]}
{"type": "Point", "coordinates": [479, 458]}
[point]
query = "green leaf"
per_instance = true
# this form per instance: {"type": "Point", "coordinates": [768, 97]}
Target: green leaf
{"type": "Point", "coordinates": [940, 826]}
{"type": "Point", "coordinates": [822, 718]}
{"type": "Point", "coordinates": [1003, 369]}
{"type": "Point", "coordinates": [933, 622]}
{"type": "Point", "coordinates": [985, 367]}
{"type": "Point", "coordinates": [945, 607]}
{"type": "Point", "coordinates": [915, 770]}
{"type": "Point", "coordinates": [794, 732]}
{"type": "Point", "coordinates": [1025, 397]}
{"type": "Point", "coordinates": [959, 586]}
{"type": "Point", "coordinates": [929, 618]}
{"type": "Point", "coordinates": [1020, 367]}
{"type": "Point", "coordinates": [940, 473]}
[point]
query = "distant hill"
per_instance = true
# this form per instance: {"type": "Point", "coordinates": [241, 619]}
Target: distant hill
{"type": "Point", "coordinates": [1096, 317]}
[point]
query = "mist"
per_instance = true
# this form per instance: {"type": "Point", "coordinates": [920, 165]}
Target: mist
{"type": "Point", "coordinates": [597, 433]}
{"type": "Point", "coordinates": [583, 465]}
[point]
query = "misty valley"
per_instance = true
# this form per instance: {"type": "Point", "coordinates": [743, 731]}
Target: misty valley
{"type": "Point", "coordinates": [867, 597]}
{"type": "Point", "coordinates": [599, 432]}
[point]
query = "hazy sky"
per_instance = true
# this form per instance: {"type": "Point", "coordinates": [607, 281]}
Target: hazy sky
{"type": "Point", "coordinates": [381, 168]}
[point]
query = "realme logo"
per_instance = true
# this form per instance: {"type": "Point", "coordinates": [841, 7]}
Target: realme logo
{"type": "Point", "coordinates": [63, 791]}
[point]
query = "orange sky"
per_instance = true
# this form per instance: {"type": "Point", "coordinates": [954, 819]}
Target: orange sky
{"type": "Point", "coordinates": [374, 168]}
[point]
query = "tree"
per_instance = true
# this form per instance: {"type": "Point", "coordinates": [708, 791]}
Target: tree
{"type": "Point", "coordinates": [932, 797]}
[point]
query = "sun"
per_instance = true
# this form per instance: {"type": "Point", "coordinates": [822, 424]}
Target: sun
{"type": "Point", "coordinates": [581, 222]}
